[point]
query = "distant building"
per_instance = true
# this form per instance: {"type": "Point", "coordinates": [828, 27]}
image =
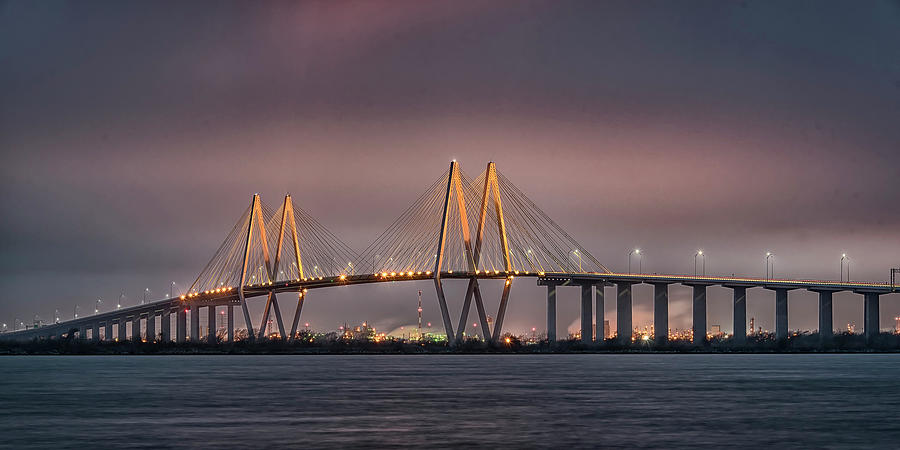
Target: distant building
{"type": "Point", "coordinates": [606, 329]}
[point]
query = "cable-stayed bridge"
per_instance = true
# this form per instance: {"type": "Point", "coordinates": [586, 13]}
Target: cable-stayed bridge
{"type": "Point", "coordinates": [459, 229]}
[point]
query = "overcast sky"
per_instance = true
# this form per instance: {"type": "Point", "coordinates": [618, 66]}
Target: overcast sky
{"type": "Point", "coordinates": [133, 135]}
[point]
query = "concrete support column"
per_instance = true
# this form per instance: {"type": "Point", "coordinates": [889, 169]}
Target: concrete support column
{"type": "Point", "coordinates": [826, 316]}
{"type": "Point", "coordinates": [122, 335]}
{"type": "Point", "coordinates": [587, 291]}
{"type": "Point", "coordinates": [230, 313]}
{"type": "Point", "coordinates": [195, 323]}
{"type": "Point", "coordinates": [136, 328]}
{"type": "Point", "coordinates": [107, 331]}
{"type": "Point", "coordinates": [211, 324]}
{"type": "Point", "coordinates": [623, 312]}
{"type": "Point", "coordinates": [661, 312]}
{"type": "Point", "coordinates": [600, 306]}
{"type": "Point", "coordinates": [739, 315]}
{"type": "Point", "coordinates": [781, 314]}
{"type": "Point", "coordinates": [151, 326]}
{"type": "Point", "coordinates": [180, 325]}
{"type": "Point", "coordinates": [165, 325]}
{"type": "Point", "coordinates": [699, 311]}
{"type": "Point", "coordinates": [95, 332]}
{"type": "Point", "coordinates": [551, 313]}
{"type": "Point", "coordinates": [871, 316]}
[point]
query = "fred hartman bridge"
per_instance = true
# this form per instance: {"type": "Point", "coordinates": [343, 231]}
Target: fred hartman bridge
{"type": "Point", "coordinates": [506, 237]}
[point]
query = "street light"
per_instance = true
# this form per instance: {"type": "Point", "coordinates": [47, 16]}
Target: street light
{"type": "Point", "coordinates": [146, 292]}
{"type": "Point", "coordinates": [97, 306]}
{"type": "Point", "coordinates": [636, 251]}
{"type": "Point", "coordinates": [769, 255]}
{"type": "Point", "coordinates": [172, 290]}
{"type": "Point", "coordinates": [578, 254]}
{"type": "Point", "coordinates": [703, 257]}
{"type": "Point", "coordinates": [75, 313]}
{"type": "Point", "coordinates": [843, 257]}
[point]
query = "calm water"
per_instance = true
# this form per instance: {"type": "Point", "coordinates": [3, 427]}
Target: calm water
{"type": "Point", "coordinates": [506, 401]}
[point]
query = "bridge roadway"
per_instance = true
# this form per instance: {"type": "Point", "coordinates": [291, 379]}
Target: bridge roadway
{"type": "Point", "coordinates": [89, 326]}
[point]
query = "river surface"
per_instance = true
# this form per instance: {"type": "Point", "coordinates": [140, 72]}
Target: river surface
{"type": "Point", "coordinates": [415, 401]}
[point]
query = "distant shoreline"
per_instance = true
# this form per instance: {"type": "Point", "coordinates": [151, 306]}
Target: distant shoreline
{"type": "Point", "coordinates": [885, 343]}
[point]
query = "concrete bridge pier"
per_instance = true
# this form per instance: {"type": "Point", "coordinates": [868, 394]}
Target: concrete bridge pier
{"type": "Point", "coordinates": [122, 333]}
{"type": "Point", "coordinates": [587, 291]}
{"type": "Point", "coordinates": [165, 325]}
{"type": "Point", "coordinates": [739, 315]}
{"type": "Point", "coordinates": [699, 314]}
{"type": "Point", "coordinates": [230, 331]}
{"type": "Point", "coordinates": [95, 332]}
{"type": "Point", "coordinates": [211, 324]}
{"type": "Point", "coordinates": [136, 328]}
{"type": "Point", "coordinates": [600, 306]}
{"type": "Point", "coordinates": [826, 316]}
{"type": "Point", "coordinates": [151, 326]}
{"type": "Point", "coordinates": [871, 316]}
{"type": "Point", "coordinates": [781, 314]}
{"type": "Point", "coordinates": [107, 330]}
{"type": "Point", "coordinates": [661, 312]}
{"type": "Point", "coordinates": [551, 313]}
{"type": "Point", "coordinates": [195, 323]}
{"type": "Point", "coordinates": [180, 325]}
{"type": "Point", "coordinates": [623, 311]}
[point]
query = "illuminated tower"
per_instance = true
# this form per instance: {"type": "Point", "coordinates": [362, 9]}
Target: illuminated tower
{"type": "Point", "coordinates": [420, 314]}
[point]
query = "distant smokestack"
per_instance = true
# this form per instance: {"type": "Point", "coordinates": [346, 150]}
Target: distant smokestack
{"type": "Point", "coordinates": [420, 312]}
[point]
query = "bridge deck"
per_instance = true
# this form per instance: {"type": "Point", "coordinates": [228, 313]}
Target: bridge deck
{"type": "Point", "coordinates": [229, 295]}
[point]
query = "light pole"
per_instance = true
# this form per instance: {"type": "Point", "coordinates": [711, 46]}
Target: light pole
{"type": "Point", "coordinates": [146, 293]}
{"type": "Point", "coordinates": [578, 254]}
{"type": "Point", "coordinates": [75, 313]}
{"type": "Point", "coordinates": [703, 258]}
{"type": "Point", "coordinates": [768, 256]}
{"type": "Point", "coordinates": [843, 257]}
{"type": "Point", "coordinates": [636, 251]}
{"type": "Point", "coordinates": [172, 290]}
{"type": "Point", "coordinates": [97, 306]}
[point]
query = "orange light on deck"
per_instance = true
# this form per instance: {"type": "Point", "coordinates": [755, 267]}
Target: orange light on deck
{"type": "Point", "coordinates": [343, 277]}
